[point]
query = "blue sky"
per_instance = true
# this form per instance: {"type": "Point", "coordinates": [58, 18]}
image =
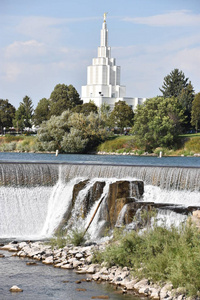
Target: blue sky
{"type": "Point", "coordinates": [46, 42]}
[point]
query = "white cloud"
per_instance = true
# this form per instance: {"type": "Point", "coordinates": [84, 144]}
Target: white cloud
{"type": "Point", "coordinates": [22, 49]}
{"type": "Point", "coordinates": [174, 18]}
{"type": "Point", "coordinates": [47, 29]}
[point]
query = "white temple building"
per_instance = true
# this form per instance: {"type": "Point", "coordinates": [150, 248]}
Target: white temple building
{"type": "Point", "coordinates": [103, 78]}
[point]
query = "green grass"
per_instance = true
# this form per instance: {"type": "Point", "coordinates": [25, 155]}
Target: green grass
{"type": "Point", "coordinates": [159, 254]}
{"type": "Point", "coordinates": [19, 143]}
{"type": "Point", "coordinates": [119, 143]}
{"type": "Point", "coordinates": [190, 135]}
{"type": "Point", "coordinates": [189, 144]}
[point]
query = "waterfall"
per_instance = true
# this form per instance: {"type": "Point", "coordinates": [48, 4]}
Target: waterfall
{"type": "Point", "coordinates": [35, 198]}
{"type": "Point", "coordinates": [23, 211]}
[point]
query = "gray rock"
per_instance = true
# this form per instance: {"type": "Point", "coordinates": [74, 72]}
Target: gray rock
{"type": "Point", "coordinates": [15, 289]}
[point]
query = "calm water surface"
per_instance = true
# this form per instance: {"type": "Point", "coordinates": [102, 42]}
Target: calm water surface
{"type": "Point", "coordinates": [43, 282]}
{"type": "Point", "coordinates": [101, 159]}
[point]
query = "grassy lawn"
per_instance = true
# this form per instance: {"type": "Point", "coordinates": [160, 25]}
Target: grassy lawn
{"type": "Point", "coordinates": [190, 135]}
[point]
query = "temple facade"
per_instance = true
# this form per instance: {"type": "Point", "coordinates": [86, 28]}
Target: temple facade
{"type": "Point", "coordinates": [103, 78]}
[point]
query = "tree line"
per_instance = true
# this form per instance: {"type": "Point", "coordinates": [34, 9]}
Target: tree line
{"type": "Point", "coordinates": [67, 124]}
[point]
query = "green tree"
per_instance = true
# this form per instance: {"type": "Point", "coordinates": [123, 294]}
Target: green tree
{"type": "Point", "coordinates": [157, 123]}
{"type": "Point", "coordinates": [195, 120]}
{"type": "Point", "coordinates": [86, 108]}
{"type": "Point", "coordinates": [63, 98]}
{"type": "Point", "coordinates": [121, 116]}
{"type": "Point", "coordinates": [7, 113]}
{"type": "Point", "coordinates": [71, 132]}
{"type": "Point", "coordinates": [41, 112]}
{"type": "Point", "coordinates": [24, 114]}
{"type": "Point", "coordinates": [185, 99]}
{"type": "Point", "coordinates": [104, 113]}
{"type": "Point", "coordinates": [51, 132]}
{"type": "Point", "coordinates": [174, 83]}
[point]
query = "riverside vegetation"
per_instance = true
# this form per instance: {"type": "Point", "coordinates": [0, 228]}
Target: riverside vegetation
{"type": "Point", "coordinates": [158, 253]}
{"type": "Point", "coordinates": [188, 145]}
{"type": "Point", "coordinates": [168, 259]}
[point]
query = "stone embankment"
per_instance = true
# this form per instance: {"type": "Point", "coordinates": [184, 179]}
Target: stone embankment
{"type": "Point", "coordinates": [80, 259]}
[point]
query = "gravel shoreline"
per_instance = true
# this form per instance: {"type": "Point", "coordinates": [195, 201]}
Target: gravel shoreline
{"type": "Point", "coordinates": [80, 260]}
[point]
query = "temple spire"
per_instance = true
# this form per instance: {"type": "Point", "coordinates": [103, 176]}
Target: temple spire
{"type": "Point", "coordinates": [104, 33]}
{"type": "Point", "coordinates": [104, 16]}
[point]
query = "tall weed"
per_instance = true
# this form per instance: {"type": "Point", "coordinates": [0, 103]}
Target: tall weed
{"type": "Point", "coordinates": [160, 254]}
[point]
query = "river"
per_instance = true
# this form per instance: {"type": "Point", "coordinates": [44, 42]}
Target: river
{"type": "Point", "coordinates": [101, 159]}
{"type": "Point", "coordinates": [45, 282]}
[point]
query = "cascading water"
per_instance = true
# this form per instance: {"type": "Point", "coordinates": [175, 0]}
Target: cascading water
{"type": "Point", "coordinates": [34, 198]}
{"type": "Point", "coordinates": [23, 211]}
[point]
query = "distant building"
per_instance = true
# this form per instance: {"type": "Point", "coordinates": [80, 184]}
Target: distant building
{"type": "Point", "coordinates": [103, 78]}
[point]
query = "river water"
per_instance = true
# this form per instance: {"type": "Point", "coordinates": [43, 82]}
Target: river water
{"type": "Point", "coordinates": [101, 159]}
{"type": "Point", "coordinates": [45, 282]}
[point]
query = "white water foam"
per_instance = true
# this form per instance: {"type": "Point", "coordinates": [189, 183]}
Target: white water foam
{"type": "Point", "coordinates": [59, 203]}
{"type": "Point", "coordinates": [23, 211]}
{"type": "Point", "coordinates": [169, 218]}
{"type": "Point", "coordinates": [184, 197]}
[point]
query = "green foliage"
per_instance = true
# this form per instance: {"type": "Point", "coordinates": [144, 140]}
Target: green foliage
{"type": "Point", "coordinates": [58, 240]}
{"type": "Point", "coordinates": [121, 116]}
{"type": "Point", "coordinates": [85, 108]}
{"type": "Point", "coordinates": [42, 111]}
{"type": "Point", "coordinates": [24, 114]}
{"type": "Point", "coordinates": [72, 132]}
{"type": "Point", "coordinates": [76, 237]}
{"type": "Point", "coordinates": [159, 254]}
{"type": "Point", "coordinates": [73, 142]}
{"type": "Point", "coordinates": [157, 123]}
{"type": "Point", "coordinates": [63, 98]}
{"type": "Point", "coordinates": [7, 113]}
{"type": "Point", "coordinates": [104, 112]}
{"type": "Point", "coordinates": [13, 138]}
{"type": "Point", "coordinates": [18, 143]}
{"type": "Point", "coordinates": [174, 83]}
{"type": "Point", "coordinates": [193, 144]}
{"type": "Point", "coordinates": [8, 147]}
{"type": "Point", "coordinates": [117, 143]}
{"type": "Point", "coordinates": [51, 132]}
{"type": "Point", "coordinates": [195, 120]}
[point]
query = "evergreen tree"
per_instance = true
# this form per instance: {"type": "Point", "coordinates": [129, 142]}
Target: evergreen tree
{"type": "Point", "coordinates": [24, 114]}
{"type": "Point", "coordinates": [41, 112]}
{"type": "Point", "coordinates": [174, 83]}
{"type": "Point", "coordinates": [195, 120]}
{"type": "Point", "coordinates": [185, 99]}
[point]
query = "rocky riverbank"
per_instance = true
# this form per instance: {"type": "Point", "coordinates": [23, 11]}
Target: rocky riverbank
{"type": "Point", "coordinates": [80, 259]}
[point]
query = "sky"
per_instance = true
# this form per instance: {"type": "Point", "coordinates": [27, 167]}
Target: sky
{"type": "Point", "coordinates": [47, 42]}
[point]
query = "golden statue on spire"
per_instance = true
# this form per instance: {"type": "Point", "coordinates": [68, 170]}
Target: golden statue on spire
{"type": "Point", "coordinates": [104, 16]}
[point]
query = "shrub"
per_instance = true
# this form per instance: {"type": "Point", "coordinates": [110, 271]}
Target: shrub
{"type": "Point", "coordinates": [59, 240]}
{"type": "Point", "coordinates": [76, 237]}
{"type": "Point", "coordinates": [160, 254]}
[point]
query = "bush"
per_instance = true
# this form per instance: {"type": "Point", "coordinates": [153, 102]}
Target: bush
{"type": "Point", "coordinates": [160, 254]}
{"type": "Point", "coordinates": [8, 147]}
{"type": "Point", "coordinates": [76, 237]}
